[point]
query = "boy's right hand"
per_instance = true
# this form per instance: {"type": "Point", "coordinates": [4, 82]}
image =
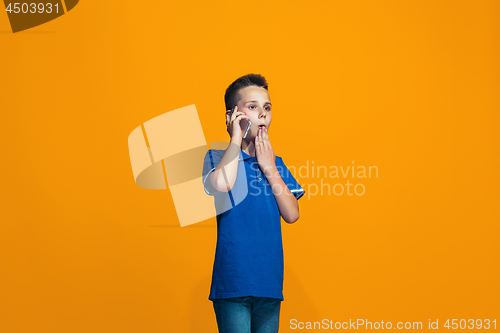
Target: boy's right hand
{"type": "Point", "coordinates": [233, 123]}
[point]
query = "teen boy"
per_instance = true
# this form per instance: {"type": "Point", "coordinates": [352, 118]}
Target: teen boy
{"type": "Point", "coordinates": [253, 189]}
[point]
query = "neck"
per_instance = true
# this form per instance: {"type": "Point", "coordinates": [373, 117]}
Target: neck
{"type": "Point", "coordinates": [248, 146]}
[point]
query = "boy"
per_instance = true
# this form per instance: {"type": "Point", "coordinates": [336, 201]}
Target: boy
{"type": "Point", "coordinates": [252, 188]}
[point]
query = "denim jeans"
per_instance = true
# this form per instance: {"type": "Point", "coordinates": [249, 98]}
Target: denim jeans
{"type": "Point", "coordinates": [248, 314]}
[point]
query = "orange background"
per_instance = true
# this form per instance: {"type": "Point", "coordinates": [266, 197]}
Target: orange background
{"type": "Point", "coordinates": [408, 86]}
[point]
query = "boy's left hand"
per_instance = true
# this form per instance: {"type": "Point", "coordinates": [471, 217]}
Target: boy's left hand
{"type": "Point", "coordinates": [264, 152]}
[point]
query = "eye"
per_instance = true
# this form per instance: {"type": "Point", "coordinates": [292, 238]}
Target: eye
{"type": "Point", "coordinates": [251, 106]}
{"type": "Point", "coordinates": [268, 108]}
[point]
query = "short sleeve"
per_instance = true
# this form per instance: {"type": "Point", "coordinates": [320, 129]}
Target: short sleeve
{"type": "Point", "coordinates": [290, 181]}
{"type": "Point", "coordinates": [210, 162]}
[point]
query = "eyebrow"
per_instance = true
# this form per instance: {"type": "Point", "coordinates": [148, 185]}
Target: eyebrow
{"type": "Point", "coordinates": [256, 101]}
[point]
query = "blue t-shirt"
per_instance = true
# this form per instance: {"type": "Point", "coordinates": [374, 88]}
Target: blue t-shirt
{"type": "Point", "coordinates": [249, 252]}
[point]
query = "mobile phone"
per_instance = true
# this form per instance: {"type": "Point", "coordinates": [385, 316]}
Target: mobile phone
{"type": "Point", "coordinates": [244, 124]}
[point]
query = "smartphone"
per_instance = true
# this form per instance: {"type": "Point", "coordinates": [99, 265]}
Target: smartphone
{"type": "Point", "coordinates": [244, 123]}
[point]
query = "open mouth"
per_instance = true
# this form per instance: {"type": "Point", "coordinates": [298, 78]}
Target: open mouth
{"type": "Point", "coordinates": [262, 126]}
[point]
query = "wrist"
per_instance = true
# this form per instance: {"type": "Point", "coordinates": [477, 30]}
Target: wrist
{"type": "Point", "coordinates": [236, 140]}
{"type": "Point", "coordinates": [270, 171]}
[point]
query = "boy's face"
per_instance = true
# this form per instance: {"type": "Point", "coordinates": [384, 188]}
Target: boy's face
{"type": "Point", "coordinates": [255, 103]}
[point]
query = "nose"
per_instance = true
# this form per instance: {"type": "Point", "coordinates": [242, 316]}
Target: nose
{"type": "Point", "coordinates": [262, 113]}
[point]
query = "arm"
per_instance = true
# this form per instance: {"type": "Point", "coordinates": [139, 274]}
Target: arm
{"type": "Point", "coordinates": [287, 203]}
{"type": "Point", "coordinates": [224, 175]}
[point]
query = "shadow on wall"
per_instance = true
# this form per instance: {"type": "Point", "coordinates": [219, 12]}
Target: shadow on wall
{"type": "Point", "coordinates": [296, 305]}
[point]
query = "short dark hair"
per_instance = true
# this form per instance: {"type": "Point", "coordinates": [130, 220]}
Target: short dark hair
{"type": "Point", "coordinates": [232, 92]}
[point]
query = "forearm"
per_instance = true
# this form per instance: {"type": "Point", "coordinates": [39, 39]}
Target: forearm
{"type": "Point", "coordinates": [287, 203]}
{"type": "Point", "coordinates": [224, 175]}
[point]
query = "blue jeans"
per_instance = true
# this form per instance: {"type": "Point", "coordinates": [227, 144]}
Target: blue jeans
{"type": "Point", "coordinates": [248, 314]}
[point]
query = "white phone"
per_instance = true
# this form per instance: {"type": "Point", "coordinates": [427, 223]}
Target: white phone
{"type": "Point", "coordinates": [244, 124]}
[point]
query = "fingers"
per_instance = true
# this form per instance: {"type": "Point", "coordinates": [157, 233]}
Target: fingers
{"type": "Point", "coordinates": [262, 140]}
{"type": "Point", "coordinates": [230, 113]}
{"type": "Point", "coordinates": [233, 115]}
{"type": "Point", "coordinates": [237, 114]}
{"type": "Point", "coordinates": [262, 144]}
{"type": "Point", "coordinates": [263, 134]}
{"type": "Point", "coordinates": [258, 140]}
{"type": "Point", "coordinates": [265, 140]}
{"type": "Point", "coordinates": [239, 117]}
{"type": "Point", "coordinates": [235, 118]}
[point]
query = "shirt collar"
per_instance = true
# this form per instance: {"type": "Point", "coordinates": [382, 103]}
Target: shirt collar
{"type": "Point", "coordinates": [244, 156]}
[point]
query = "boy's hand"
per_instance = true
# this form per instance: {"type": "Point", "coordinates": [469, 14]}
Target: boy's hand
{"type": "Point", "coordinates": [233, 123]}
{"type": "Point", "coordinates": [264, 152]}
